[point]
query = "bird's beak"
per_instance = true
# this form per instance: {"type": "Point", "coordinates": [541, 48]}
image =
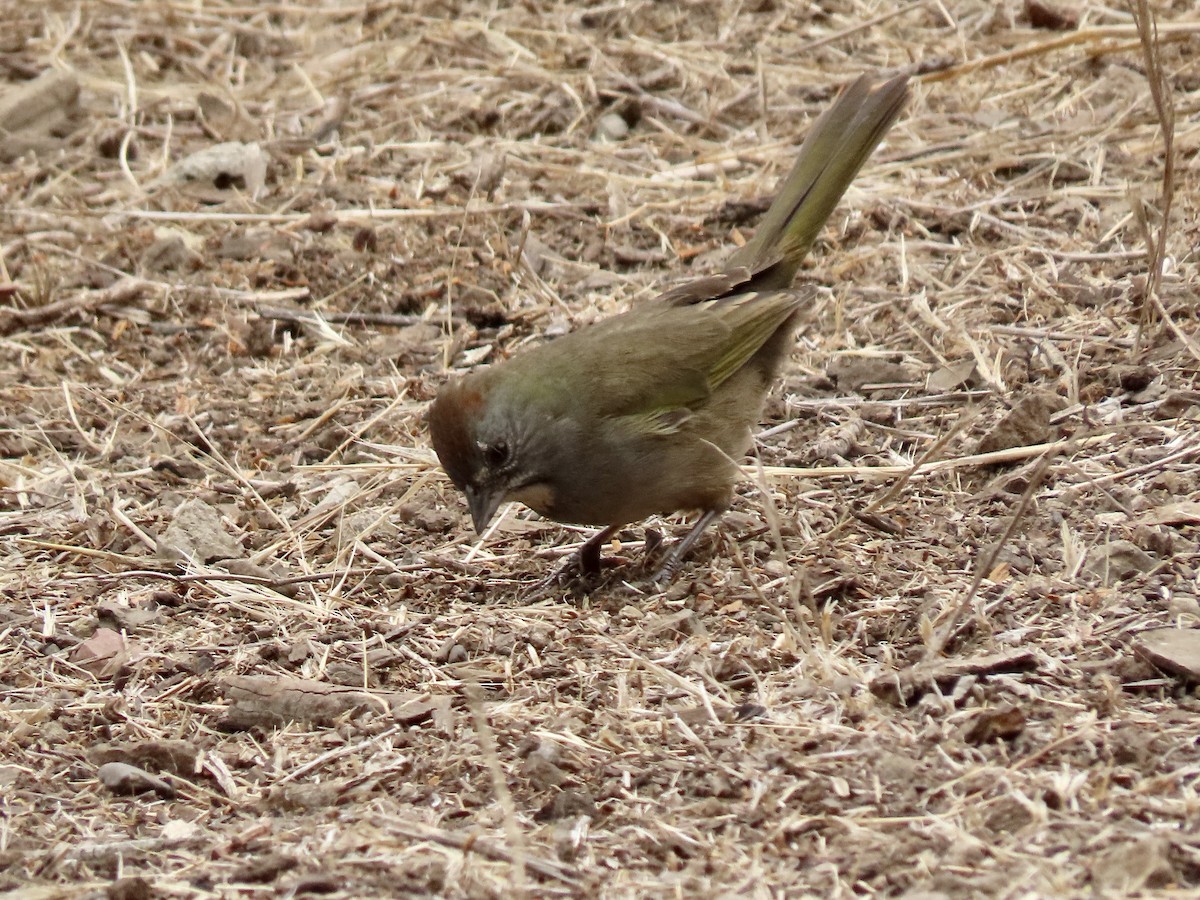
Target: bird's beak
{"type": "Point", "coordinates": [483, 503]}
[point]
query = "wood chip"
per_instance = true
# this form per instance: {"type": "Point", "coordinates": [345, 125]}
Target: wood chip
{"type": "Point", "coordinates": [904, 685]}
{"type": "Point", "coordinates": [1174, 650]}
{"type": "Point", "coordinates": [271, 702]}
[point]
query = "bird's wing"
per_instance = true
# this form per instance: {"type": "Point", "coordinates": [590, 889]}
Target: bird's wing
{"type": "Point", "coordinates": [646, 362]}
{"type": "Point", "coordinates": [752, 318]}
{"type": "Point", "coordinates": [656, 363]}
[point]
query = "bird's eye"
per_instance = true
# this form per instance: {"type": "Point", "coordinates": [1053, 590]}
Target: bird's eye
{"type": "Point", "coordinates": [496, 453]}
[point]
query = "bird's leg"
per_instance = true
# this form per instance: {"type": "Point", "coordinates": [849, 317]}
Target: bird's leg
{"type": "Point", "coordinates": [667, 569]}
{"type": "Point", "coordinates": [652, 542]}
{"type": "Point", "coordinates": [584, 563]}
{"type": "Point", "coordinates": [589, 553]}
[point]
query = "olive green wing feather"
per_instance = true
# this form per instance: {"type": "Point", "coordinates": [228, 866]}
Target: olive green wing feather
{"type": "Point", "coordinates": [659, 362]}
{"type": "Point", "coordinates": [752, 319]}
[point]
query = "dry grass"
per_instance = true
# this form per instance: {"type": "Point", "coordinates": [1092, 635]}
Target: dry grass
{"type": "Point", "coordinates": [434, 193]}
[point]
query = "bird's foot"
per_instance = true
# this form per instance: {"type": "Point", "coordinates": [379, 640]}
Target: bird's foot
{"type": "Point", "coordinates": [666, 572]}
{"type": "Point", "coordinates": [576, 571]}
{"type": "Point", "coordinates": [584, 566]}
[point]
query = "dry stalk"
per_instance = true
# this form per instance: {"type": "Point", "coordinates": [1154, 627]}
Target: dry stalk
{"type": "Point", "coordinates": [491, 758]}
{"type": "Point", "coordinates": [1164, 109]}
{"type": "Point", "coordinates": [984, 566]}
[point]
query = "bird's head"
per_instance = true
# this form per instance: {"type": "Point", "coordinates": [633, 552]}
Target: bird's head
{"type": "Point", "coordinates": [488, 443]}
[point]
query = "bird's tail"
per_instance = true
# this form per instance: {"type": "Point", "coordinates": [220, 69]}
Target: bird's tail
{"type": "Point", "coordinates": [835, 148]}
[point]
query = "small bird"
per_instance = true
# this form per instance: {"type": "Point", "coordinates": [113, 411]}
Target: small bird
{"type": "Point", "coordinates": [648, 412]}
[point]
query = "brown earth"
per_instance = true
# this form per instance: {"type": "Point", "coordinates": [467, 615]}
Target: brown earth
{"type": "Point", "coordinates": [908, 663]}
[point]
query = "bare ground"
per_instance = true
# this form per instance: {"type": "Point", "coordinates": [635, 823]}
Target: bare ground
{"type": "Point", "coordinates": [909, 662]}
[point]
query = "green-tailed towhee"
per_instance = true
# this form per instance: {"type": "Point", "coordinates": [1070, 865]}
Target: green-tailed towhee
{"type": "Point", "coordinates": [650, 411]}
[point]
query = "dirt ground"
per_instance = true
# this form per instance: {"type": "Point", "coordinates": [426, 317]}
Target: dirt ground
{"type": "Point", "coordinates": [943, 645]}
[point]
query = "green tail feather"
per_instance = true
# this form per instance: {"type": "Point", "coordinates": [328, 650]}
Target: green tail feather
{"type": "Point", "coordinates": [835, 148]}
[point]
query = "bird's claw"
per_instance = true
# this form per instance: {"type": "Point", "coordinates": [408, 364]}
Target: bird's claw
{"type": "Point", "coordinates": [665, 573]}
{"type": "Point", "coordinates": [578, 570]}
{"type": "Point", "coordinates": [586, 566]}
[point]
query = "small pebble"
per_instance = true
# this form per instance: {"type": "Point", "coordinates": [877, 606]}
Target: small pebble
{"type": "Point", "coordinates": [611, 127]}
{"type": "Point", "coordinates": [776, 568]}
